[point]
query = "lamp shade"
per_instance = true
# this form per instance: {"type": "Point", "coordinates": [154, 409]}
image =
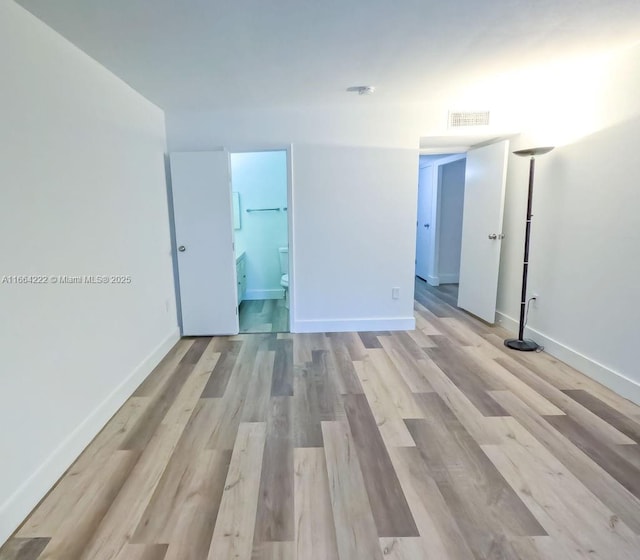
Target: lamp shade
{"type": "Point", "coordinates": [534, 151]}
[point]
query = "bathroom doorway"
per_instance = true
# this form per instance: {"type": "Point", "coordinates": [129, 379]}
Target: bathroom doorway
{"type": "Point", "coordinates": [259, 184]}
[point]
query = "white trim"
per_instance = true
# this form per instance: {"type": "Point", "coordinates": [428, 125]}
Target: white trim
{"type": "Point", "coordinates": [291, 294]}
{"type": "Point", "coordinates": [448, 150]}
{"type": "Point", "coordinates": [354, 325]}
{"type": "Point", "coordinates": [451, 278]}
{"type": "Point", "coordinates": [277, 293]}
{"type": "Point", "coordinates": [244, 147]}
{"type": "Point", "coordinates": [433, 280]}
{"type": "Point", "coordinates": [614, 380]}
{"type": "Point", "coordinates": [18, 506]}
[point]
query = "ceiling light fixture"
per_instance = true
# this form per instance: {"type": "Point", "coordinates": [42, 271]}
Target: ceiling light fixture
{"type": "Point", "coordinates": [362, 90]}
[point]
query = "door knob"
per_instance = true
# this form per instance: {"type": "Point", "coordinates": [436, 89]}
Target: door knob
{"type": "Point", "coordinates": [493, 236]}
{"type": "Point", "coordinates": [426, 225]}
{"type": "Point", "coordinates": [182, 248]}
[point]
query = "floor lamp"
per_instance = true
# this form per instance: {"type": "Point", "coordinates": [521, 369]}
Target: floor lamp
{"type": "Point", "coordinates": [520, 343]}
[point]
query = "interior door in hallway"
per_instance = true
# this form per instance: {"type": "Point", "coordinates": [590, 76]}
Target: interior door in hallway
{"type": "Point", "coordinates": [203, 214]}
{"type": "Point", "coordinates": [423, 225]}
{"type": "Point", "coordinates": [485, 182]}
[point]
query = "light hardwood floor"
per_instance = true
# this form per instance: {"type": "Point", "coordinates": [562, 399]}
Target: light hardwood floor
{"type": "Point", "coordinates": [264, 316]}
{"type": "Point", "coordinates": [437, 443]}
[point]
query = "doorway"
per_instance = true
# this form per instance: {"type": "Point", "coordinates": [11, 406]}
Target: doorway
{"type": "Point", "coordinates": [440, 213]}
{"type": "Point", "coordinates": [259, 184]}
{"type": "Point", "coordinates": [463, 247]}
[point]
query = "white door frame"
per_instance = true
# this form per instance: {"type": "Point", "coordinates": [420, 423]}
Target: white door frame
{"type": "Point", "coordinates": [288, 148]}
{"type": "Point", "coordinates": [428, 172]}
{"type": "Point", "coordinates": [434, 278]}
{"type": "Point", "coordinates": [463, 149]}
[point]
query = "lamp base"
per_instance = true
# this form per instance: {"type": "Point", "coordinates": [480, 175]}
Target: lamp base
{"type": "Point", "coordinates": [521, 345]}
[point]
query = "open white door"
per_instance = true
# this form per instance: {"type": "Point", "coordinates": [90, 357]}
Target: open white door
{"type": "Point", "coordinates": [485, 181]}
{"type": "Point", "coordinates": [423, 225]}
{"type": "Point", "coordinates": [204, 237]}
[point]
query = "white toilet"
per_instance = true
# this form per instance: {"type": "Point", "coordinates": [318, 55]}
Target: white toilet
{"type": "Point", "coordinates": [284, 271]}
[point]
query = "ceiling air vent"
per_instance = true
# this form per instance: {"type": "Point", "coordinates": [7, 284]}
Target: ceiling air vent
{"type": "Point", "coordinates": [468, 118]}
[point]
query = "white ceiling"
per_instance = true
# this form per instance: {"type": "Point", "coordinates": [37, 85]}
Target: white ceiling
{"type": "Point", "coordinates": [216, 54]}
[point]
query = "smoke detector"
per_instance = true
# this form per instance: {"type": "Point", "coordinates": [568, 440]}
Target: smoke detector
{"type": "Point", "coordinates": [362, 90]}
{"type": "Point", "coordinates": [468, 118]}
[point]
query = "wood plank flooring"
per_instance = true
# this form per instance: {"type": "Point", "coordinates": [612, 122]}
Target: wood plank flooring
{"type": "Point", "coordinates": [264, 316]}
{"type": "Point", "coordinates": [438, 443]}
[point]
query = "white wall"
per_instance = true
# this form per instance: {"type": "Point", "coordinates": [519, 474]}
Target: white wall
{"type": "Point", "coordinates": [585, 237]}
{"type": "Point", "coordinates": [261, 180]}
{"type": "Point", "coordinates": [355, 177]}
{"type": "Point", "coordinates": [83, 192]}
{"type": "Point", "coordinates": [592, 95]}
{"type": "Point", "coordinates": [451, 199]}
{"type": "Point", "coordinates": [365, 124]}
{"type": "Point", "coordinates": [354, 237]}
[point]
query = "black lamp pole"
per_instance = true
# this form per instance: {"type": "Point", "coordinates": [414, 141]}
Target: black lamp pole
{"type": "Point", "coordinates": [520, 343]}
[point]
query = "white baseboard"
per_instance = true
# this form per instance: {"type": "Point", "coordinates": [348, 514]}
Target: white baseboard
{"type": "Point", "coordinates": [614, 380]}
{"type": "Point", "coordinates": [18, 506]}
{"type": "Point", "coordinates": [265, 294]}
{"type": "Point", "coordinates": [433, 280]}
{"type": "Point", "coordinates": [449, 278]}
{"type": "Point", "coordinates": [354, 325]}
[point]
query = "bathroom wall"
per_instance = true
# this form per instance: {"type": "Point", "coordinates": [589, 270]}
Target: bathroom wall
{"type": "Point", "coordinates": [261, 180]}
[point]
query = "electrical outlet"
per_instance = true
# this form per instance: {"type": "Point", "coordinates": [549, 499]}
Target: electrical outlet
{"type": "Point", "coordinates": [395, 293]}
{"type": "Point", "coordinates": [535, 296]}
